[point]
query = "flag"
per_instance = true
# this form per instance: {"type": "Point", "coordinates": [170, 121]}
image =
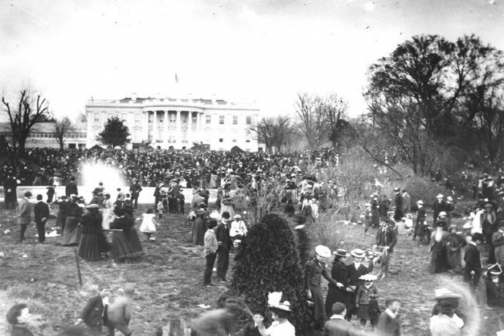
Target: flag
{"type": "Point", "coordinates": [176, 78]}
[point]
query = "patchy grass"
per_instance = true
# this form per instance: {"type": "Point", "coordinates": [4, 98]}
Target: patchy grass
{"type": "Point", "coordinates": [169, 278]}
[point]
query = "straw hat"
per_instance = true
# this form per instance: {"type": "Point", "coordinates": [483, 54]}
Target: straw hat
{"type": "Point", "coordinates": [323, 251]}
{"type": "Point", "coordinates": [440, 196]}
{"type": "Point", "coordinates": [340, 253]}
{"type": "Point", "coordinates": [368, 277]}
{"type": "Point", "coordinates": [285, 306]}
{"type": "Point", "coordinates": [444, 293]}
{"type": "Point", "coordinates": [357, 253]}
{"type": "Point", "coordinates": [495, 269]}
{"type": "Point", "coordinates": [420, 202]}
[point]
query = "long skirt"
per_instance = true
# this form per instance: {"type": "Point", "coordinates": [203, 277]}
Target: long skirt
{"type": "Point", "coordinates": [318, 300]}
{"type": "Point", "coordinates": [439, 259]}
{"type": "Point", "coordinates": [124, 247]}
{"type": "Point", "coordinates": [71, 233]}
{"type": "Point", "coordinates": [454, 259]}
{"type": "Point", "coordinates": [198, 231]}
{"type": "Point", "coordinates": [228, 208]}
{"type": "Point", "coordinates": [363, 312]}
{"type": "Point", "coordinates": [375, 217]}
{"type": "Point", "coordinates": [89, 247]}
{"type": "Point", "coordinates": [334, 295]}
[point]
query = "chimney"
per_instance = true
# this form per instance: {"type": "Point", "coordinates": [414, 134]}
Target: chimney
{"type": "Point", "coordinates": [133, 96]}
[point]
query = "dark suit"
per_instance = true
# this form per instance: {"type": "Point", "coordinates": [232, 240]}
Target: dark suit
{"type": "Point", "coordinates": [339, 327]}
{"type": "Point", "coordinates": [71, 189]}
{"type": "Point", "coordinates": [473, 263]}
{"type": "Point", "coordinates": [135, 190]}
{"type": "Point", "coordinates": [386, 237]}
{"type": "Point", "coordinates": [399, 207]}
{"type": "Point", "coordinates": [222, 234]}
{"type": "Point", "coordinates": [92, 315]}
{"type": "Point", "coordinates": [437, 207]}
{"type": "Point", "coordinates": [314, 271]}
{"type": "Point", "coordinates": [353, 280]}
{"type": "Point", "coordinates": [419, 227]}
{"type": "Point", "coordinates": [41, 211]}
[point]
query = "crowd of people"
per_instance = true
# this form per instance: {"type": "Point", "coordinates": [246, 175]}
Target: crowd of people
{"type": "Point", "coordinates": [105, 227]}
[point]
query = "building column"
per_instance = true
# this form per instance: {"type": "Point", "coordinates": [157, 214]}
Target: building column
{"type": "Point", "coordinates": [178, 130]}
{"type": "Point", "coordinates": [189, 130]}
{"type": "Point", "coordinates": [145, 128]}
{"type": "Point", "coordinates": [154, 127]}
{"type": "Point", "coordinates": [165, 127]}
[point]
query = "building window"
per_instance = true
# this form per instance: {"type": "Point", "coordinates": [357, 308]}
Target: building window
{"type": "Point", "coordinates": [138, 117]}
{"type": "Point", "coordinates": [173, 117]}
{"type": "Point", "coordinates": [208, 119]}
{"type": "Point", "coordinates": [221, 140]}
{"type": "Point", "coordinates": [221, 120]}
{"type": "Point", "coordinates": [235, 120]}
{"type": "Point", "coordinates": [249, 120]}
{"type": "Point", "coordinates": [234, 140]}
{"type": "Point", "coordinates": [97, 117]}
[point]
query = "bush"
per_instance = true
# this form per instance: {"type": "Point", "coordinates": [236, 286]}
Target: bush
{"type": "Point", "coordinates": [269, 262]}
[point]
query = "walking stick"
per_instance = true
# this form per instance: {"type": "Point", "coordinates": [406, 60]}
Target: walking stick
{"type": "Point", "coordinates": [78, 267]}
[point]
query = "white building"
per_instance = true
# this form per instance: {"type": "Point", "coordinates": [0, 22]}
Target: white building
{"type": "Point", "coordinates": [177, 123]}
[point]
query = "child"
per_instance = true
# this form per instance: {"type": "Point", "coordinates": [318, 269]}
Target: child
{"type": "Point", "coordinates": [149, 223]}
{"type": "Point", "coordinates": [160, 209]}
{"type": "Point", "coordinates": [252, 328]}
{"type": "Point", "coordinates": [366, 301]}
{"type": "Point", "coordinates": [238, 230]}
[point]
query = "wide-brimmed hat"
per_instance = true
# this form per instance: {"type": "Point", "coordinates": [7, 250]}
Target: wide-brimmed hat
{"type": "Point", "coordinates": [489, 205]}
{"type": "Point", "coordinates": [478, 236]}
{"type": "Point", "coordinates": [367, 204]}
{"type": "Point", "coordinates": [495, 269]}
{"type": "Point", "coordinates": [284, 306]}
{"type": "Point", "coordinates": [420, 202]}
{"type": "Point", "coordinates": [368, 277]}
{"type": "Point", "coordinates": [444, 293]}
{"type": "Point", "coordinates": [323, 251]}
{"type": "Point", "coordinates": [340, 253]}
{"type": "Point", "coordinates": [443, 213]}
{"type": "Point", "coordinates": [357, 253]}
{"type": "Point", "coordinates": [237, 217]}
{"type": "Point", "coordinates": [449, 198]}
{"type": "Point", "coordinates": [440, 196]}
{"type": "Point", "coordinates": [397, 189]}
{"type": "Point", "coordinates": [93, 206]}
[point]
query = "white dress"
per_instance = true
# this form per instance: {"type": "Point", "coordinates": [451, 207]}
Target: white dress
{"type": "Point", "coordinates": [148, 225]}
{"type": "Point", "coordinates": [476, 222]}
{"type": "Point", "coordinates": [281, 329]}
{"type": "Point", "coordinates": [108, 214]}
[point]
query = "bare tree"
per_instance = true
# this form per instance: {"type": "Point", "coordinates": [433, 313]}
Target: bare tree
{"type": "Point", "coordinates": [312, 119]}
{"type": "Point", "coordinates": [62, 127]}
{"type": "Point", "coordinates": [82, 117]}
{"type": "Point", "coordinates": [29, 111]}
{"type": "Point", "coordinates": [273, 132]}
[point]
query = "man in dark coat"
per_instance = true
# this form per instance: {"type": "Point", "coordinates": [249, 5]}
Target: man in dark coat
{"type": "Point", "coordinates": [388, 323]}
{"type": "Point", "coordinates": [71, 188]}
{"type": "Point", "coordinates": [438, 206]}
{"type": "Point", "coordinates": [355, 271]}
{"type": "Point", "coordinates": [224, 242]}
{"type": "Point", "coordinates": [135, 190]}
{"type": "Point", "coordinates": [41, 213]}
{"type": "Point", "coordinates": [337, 326]}
{"type": "Point", "coordinates": [398, 202]}
{"type": "Point", "coordinates": [10, 186]}
{"type": "Point", "coordinates": [315, 269]}
{"type": "Point", "coordinates": [472, 271]}
{"type": "Point", "coordinates": [386, 238]}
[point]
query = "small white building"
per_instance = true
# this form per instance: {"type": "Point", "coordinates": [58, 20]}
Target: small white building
{"type": "Point", "coordinates": [168, 123]}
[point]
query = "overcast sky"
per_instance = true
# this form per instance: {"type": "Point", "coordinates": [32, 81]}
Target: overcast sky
{"type": "Point", "coordinates": [240, 50]}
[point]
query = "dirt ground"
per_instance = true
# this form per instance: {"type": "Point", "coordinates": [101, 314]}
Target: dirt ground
{"type": "Point", "coordinates": [169, 279]}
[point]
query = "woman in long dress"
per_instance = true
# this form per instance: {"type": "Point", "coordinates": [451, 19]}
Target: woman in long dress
{"type": "Point", "coordinates": [71, 233]}
{"type": "Point", "coordinates": [107, 211]}
{"type": "Point", "coordinates": [199, 226]}
{"type": "Point", "coordinates": [439, 259]}
{"type": "Point", "coordinates": [339, 272]}
{"type": "Point", "coordinates": [375, 212]}
{"type": "Point", "coordinates": [125, 241]}
{"type": "Point", "coordinates": [454, 244]}
{"type": "Point", "coordinates": [93, 242]}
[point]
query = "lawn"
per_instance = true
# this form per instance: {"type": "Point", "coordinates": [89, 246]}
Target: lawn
{"type": "Point", "coordinates": [169, 279]}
